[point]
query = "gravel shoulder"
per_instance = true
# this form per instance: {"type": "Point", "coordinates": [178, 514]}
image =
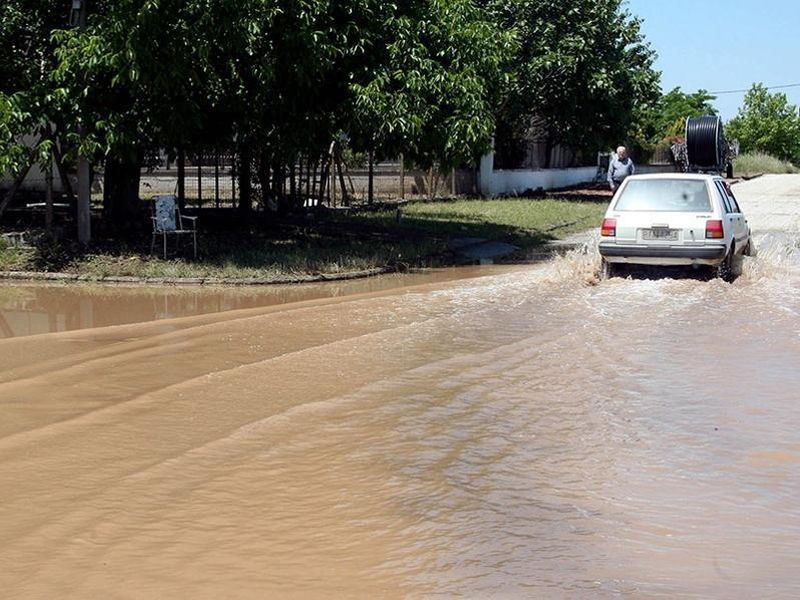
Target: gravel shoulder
{"type": "Point", "coordinates": [771, 203]}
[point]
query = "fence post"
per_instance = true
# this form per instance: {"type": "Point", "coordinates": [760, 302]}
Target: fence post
{"type": "Point", "coordinates": [370, 193]}
{"type": "Point", "coordinates": [48, 198]}
{"type": "Point", "coordinates": [181, 178]}
{"type": "Point", "coordinates": [216, 178]}
{"type": "Point", "coordinates": [199, 179]}
{"type": "Point", "coordinates": [402, 177]}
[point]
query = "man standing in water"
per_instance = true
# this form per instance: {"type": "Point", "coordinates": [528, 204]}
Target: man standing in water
{"type": "Point", "coordinates": [619, 167]}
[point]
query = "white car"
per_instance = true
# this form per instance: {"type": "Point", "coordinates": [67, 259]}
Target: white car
{"type": "Point", "coordinates": [672, 219]}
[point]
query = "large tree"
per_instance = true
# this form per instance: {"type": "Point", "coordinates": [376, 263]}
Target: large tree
{"type": "Point", "coordinates": [282, 78]}
{"type": "Point", "coordinates": [767, 123]}
{"type": "Point", "coordinates": [675, 106]}
{"type": "Point", "coordinates": [27, 107]}
{"type": "Point", "coordinates": [583, 71]}
{"type": "Point", "coordinates": [659, 125]}
{"type": "Point", "coordinates": [434, 91]}
{"type": "Point", "coordinates": [273, 77]}
{"type": "Point", "coordinates": [148, 74]}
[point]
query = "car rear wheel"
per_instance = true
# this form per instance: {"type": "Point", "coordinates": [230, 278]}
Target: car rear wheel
{"type": "Point", "coordinates": [607, 269]}
{"type": "Point", "coordinates": [724, 270]}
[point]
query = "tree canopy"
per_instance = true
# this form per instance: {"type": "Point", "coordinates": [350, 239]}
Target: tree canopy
{"type": "Point", "coordinates": [433, 93]}
{"type": "Point", "coordinates": [26, 62]}
{"type": "Point", "coordinates": [280, 79]}
{"type": "Point", "coordinates": [767, 123]}
{"type": "Point", "coordinates": [673, 108]}
{"type": "Point", "coordinates": [582, 70]}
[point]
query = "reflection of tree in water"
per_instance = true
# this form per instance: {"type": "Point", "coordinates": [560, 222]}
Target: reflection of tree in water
{"type": "Point", "coordinates": [30, 309]}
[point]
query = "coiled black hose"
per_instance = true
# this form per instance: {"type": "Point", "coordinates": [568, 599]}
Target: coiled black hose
{"type": "Point", "coordinates": [705, 142]}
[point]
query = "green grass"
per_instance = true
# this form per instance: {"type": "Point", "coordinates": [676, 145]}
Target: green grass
{"type": "Point", "coordinates": [254, 258]}
{"type": "Point", "coordinates": [332, 243]}
{"type": "Point", "coordinates": [526, 222]}
{"type": "Point", "coordinates": [14, 257]}
{"type": "Point", "coordinates": [756, 163]}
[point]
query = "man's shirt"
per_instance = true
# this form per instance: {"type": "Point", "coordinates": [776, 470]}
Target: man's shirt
{"type": "Point", "coordinates": [619, 169]}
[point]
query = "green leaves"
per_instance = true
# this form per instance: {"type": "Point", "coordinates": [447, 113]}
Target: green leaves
{"type": "Point", "coordinates": [11, 153]}
{"type": "Point", "coordinates": [674, 107]}
{"type": "Point", "coordinates": [426, 78]}
{"type": "Point", "coordinates": [581, 72]}
{"type": "Point", "coordinates": [433, 95]}
{"type": "Point", "coordinates": [767, 123]}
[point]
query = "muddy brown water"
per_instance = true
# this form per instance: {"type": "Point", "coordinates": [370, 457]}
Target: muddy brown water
{"type": "Point", "coordinates": [505, 433]}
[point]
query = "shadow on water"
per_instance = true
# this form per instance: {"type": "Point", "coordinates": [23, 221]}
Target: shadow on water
{"type": "Point", "coordinates": [33, 308]}
{"type": "Point", "coordinates": [691, 272]}
{"type": "Point", "coordinates": [643, 272]}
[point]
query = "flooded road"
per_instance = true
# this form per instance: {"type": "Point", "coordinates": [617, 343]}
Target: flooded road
{"type": "Point", "coordinates": [517, 433]}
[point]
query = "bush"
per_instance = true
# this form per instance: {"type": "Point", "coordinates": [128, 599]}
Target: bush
{"type": "Point", "coordinates": [752, 163]}
{"type": "Point", "coordinates": [767, 123]}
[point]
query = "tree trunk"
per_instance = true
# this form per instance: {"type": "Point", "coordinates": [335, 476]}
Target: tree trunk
{"type": "Point", "coordinates": [62, 173]}
{"type": "Point", "coordinates": [295, 177]}
{"type": "Point", "coordinates": [265, 180]}
{"type": "Point", "coordinates": [325, 175]}
{"type": "Point", "coordinates": [275, 187]}
{"type": "Point", "coordinates": [121, 203]}
{"type": "Point", "coordinates": [548, 152]}
{"type": "Point", "coordinates": [402, 177]}
{"type": "Point", "coordinates": [216, 179]}
{"type": "Point", "coordinates": [181, 178]}
{"type": "Point", "coordinates": [337, 160]}
{"type": "Point", "coordinates": [371, 183]}
{"type": "Point", "coordinates": [14, 188]}
{"type": "Point", "coordinates": [245, 187]}
{"type": "Point", "coordinates": [48, 198]}
{"type": "Point", "coordinates": [199, 179]}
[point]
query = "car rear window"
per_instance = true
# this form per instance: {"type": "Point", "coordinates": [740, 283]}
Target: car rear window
{"type": "Point", "coordinates": [671, 195]}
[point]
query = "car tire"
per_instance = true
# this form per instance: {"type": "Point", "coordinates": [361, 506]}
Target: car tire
{"type": "Point", "coordinates": [750, 249]}
{"type": "Point", "coordinates": [607, 269]}
{"type": "Point", "coordinates": [724, 270]}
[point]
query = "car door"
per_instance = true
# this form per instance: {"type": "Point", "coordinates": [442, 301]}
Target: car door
{"type": "Point", "coordinates": [744, 234]}
{"type": "Point", "coordinates": [741, 228]}
{"type": "Point", "coordinates": [733, 216]}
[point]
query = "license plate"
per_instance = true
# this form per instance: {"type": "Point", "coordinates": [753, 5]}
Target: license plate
{"type": "Point", "coordinates": [660, 234]}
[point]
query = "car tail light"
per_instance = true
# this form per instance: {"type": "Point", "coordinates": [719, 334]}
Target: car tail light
{"type": "Point", "coordinates": [608, 228]}
{"type": "Point", "coordinates": [714, 230]}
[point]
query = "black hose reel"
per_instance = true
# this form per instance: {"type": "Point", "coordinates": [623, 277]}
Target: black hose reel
{"type": "Point", "coordinates": [706, 147]}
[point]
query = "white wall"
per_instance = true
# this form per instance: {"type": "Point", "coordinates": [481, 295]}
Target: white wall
{"type": "Point", "coordinates": [35, 180]}
{"type": "Point", "coordinates": [517, 181]}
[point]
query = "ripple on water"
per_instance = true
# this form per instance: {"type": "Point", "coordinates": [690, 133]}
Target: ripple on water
{"type": "Point", "coordinates": [533, 433]}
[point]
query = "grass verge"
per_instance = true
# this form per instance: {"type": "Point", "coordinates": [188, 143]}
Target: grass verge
{"type": "Point", "coordinates": [332, 242]}
{"type": "Point", "coordinates": [756, 163]}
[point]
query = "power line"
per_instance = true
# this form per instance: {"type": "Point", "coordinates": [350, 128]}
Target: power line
{"type": "Point", "coordinates": [771, 87]}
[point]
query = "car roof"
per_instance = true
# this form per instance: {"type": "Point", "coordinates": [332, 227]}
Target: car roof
{"type": "Point", "coordinates": [702, 176]}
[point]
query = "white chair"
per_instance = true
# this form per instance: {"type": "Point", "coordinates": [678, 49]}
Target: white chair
{"type": "Point", "coordinates": [167, 219]}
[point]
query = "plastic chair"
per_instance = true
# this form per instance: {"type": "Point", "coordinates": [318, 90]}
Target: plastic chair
{"type": "Point", "coordinates": [167, 219]}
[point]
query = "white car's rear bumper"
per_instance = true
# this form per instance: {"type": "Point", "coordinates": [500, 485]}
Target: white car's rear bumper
{"type": "Point", "coordinates": [663, 255]}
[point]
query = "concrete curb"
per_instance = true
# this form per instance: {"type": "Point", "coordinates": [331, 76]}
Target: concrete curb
{"type": "Point", "coordinates": [127, 280]}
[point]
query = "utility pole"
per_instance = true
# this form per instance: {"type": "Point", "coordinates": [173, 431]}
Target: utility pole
{"type": "Point", "coordinates": [78, 18]}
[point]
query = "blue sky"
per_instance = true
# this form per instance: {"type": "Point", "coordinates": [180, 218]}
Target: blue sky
{"type": "Point", "coordinates": [721, 45]}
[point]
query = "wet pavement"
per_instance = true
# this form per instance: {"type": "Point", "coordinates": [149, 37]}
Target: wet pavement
{"type": "Point", "coordinates": [505, 432]}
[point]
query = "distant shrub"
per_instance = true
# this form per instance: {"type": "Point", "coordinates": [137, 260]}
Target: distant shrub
{"type": "Point", "coordinates": [752, 163]}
